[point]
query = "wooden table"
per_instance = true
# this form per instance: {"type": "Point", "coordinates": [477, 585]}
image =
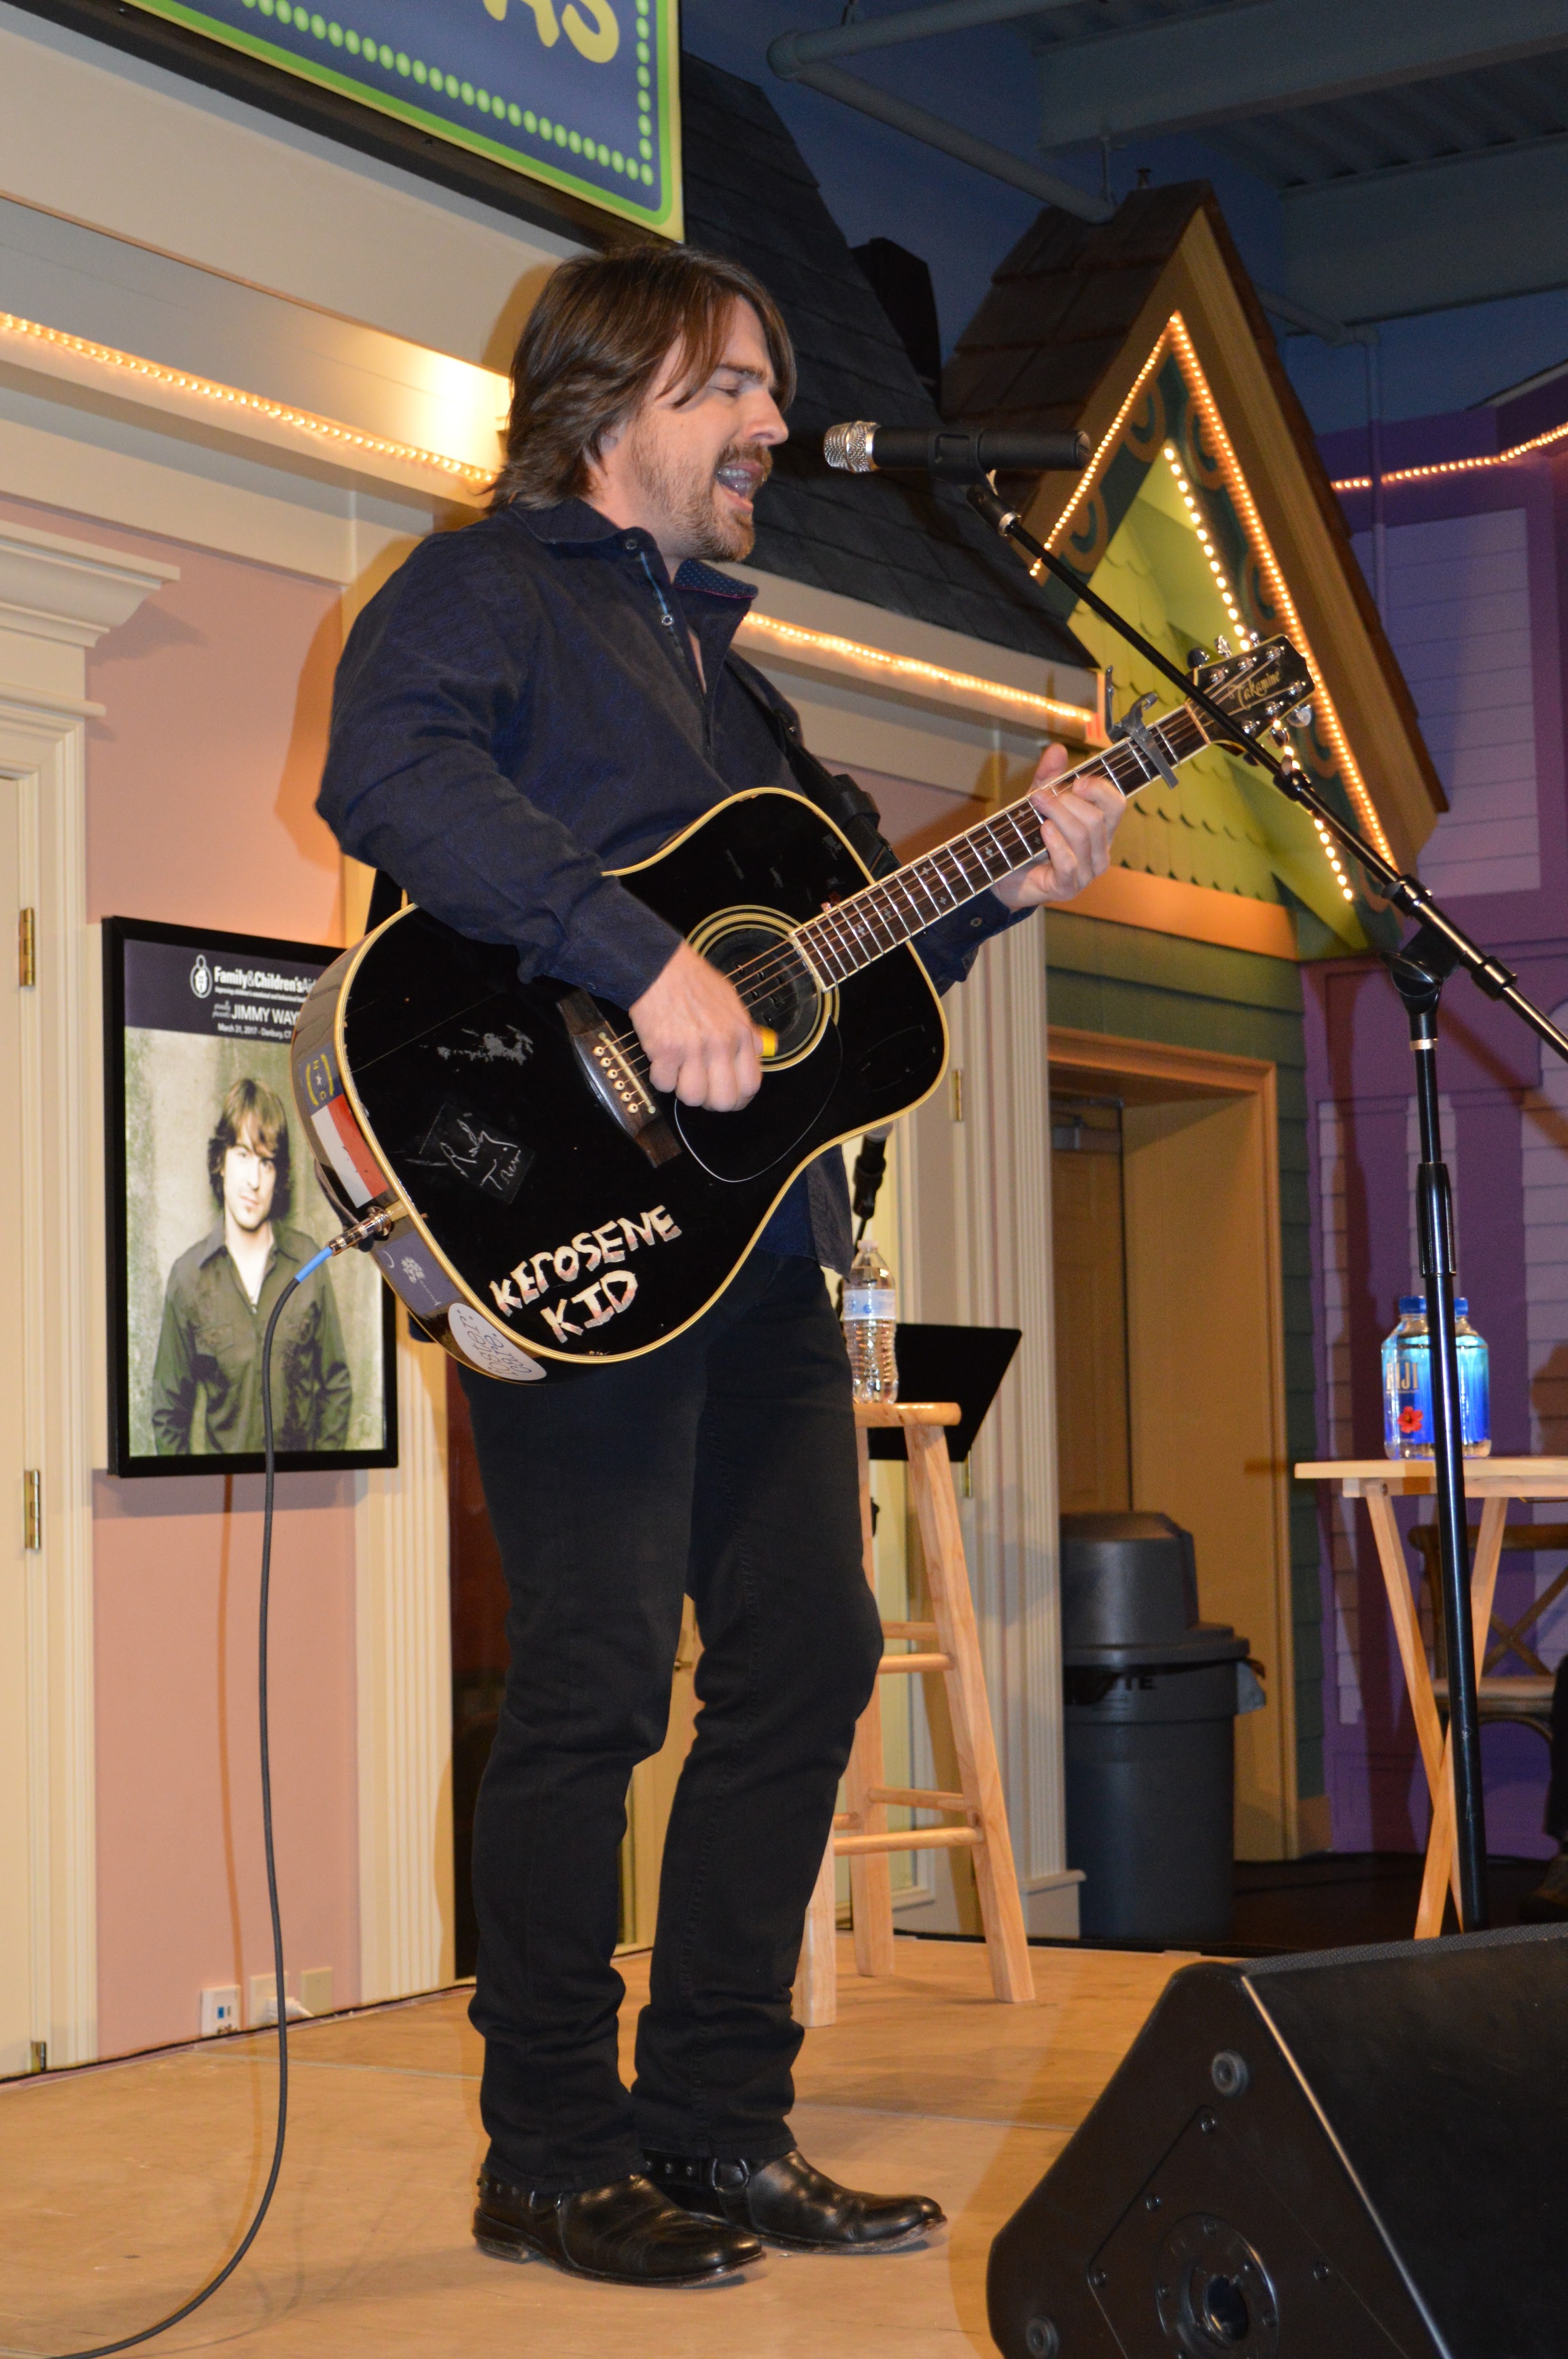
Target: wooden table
{"type": "Point", "coordinates": [1493, 1481]}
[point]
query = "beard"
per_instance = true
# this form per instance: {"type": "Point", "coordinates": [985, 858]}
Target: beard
{"type": "Point", "coordinates": [687, 495]}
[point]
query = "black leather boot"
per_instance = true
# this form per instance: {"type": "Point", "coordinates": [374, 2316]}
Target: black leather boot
{"type": "Point", "coordinates": [788, 2202]}
{"type": "Point", "coordinates": [625, 2233]}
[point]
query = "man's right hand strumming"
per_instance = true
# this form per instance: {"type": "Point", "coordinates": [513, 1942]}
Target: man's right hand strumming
{"type": "Point", "coordinates": [700, 1041]}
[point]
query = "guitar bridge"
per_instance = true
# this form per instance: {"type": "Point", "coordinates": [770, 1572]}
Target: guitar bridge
{"type": "Point", "coordinates": [614, 1080]}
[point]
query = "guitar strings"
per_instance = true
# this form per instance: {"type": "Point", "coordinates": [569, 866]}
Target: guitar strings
{"type": "Point", "coordinates": [755, 980]}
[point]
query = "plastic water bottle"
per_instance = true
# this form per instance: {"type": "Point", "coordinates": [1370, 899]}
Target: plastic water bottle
{"type": "Point", "coordinates": [869, 1318]}
{"type": "Point", "coordinates": [1474, 1385]}
{"type": "Point", "coordinates": [1407, 1383]}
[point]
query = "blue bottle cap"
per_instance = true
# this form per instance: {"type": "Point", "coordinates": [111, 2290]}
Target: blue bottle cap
{"type": "Point", "coordinates": [1461, 1305]}
{"type": "Point", "coordinates": [1410, 1303]}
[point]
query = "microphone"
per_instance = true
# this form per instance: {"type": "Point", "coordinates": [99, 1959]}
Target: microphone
{"type": "Point", "coordinates": [862, 448]}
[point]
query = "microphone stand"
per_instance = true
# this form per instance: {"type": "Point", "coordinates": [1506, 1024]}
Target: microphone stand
{"type": "Point", "coordinates": [1419, 970]}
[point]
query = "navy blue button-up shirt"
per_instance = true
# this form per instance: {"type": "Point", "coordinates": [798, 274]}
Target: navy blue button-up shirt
{"type": "Point", "coordinates": [517, 710]}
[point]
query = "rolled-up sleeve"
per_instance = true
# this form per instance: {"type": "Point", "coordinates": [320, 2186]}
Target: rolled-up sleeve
{"type": "Point", "coordinates": [430, 684]}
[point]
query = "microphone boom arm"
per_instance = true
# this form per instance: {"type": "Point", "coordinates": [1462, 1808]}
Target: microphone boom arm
{"type": "Point", "coordinates": [1405, 893]}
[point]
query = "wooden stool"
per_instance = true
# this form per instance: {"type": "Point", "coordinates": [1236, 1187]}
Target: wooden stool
{"type": "Point", "coordinates": [948, 1644]}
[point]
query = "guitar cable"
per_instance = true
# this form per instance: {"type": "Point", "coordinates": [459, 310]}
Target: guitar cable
{"type": "Point", "coordinates": [361, 1234]}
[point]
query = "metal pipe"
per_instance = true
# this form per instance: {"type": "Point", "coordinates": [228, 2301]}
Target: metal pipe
{"type": "Point", "coordinates": [1375, 469]}
{"type": "Point", "coordinates": [1313, 323]}
{"type": "Point", "coordinates": [937, 132]}
{"type": "Point", "coordinates": [792, 59]}
{"type": "Point", "coordinates": [793, 50]}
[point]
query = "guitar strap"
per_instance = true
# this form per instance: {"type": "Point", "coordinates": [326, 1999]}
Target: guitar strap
{"type": "Point", "coordinates": [835, 794]}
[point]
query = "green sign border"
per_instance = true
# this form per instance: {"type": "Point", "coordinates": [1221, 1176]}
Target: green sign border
{"type": "Point", "coordinates": [668, 222]}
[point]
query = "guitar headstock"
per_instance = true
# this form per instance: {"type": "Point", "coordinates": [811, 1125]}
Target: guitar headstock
{"type": "Point", "coordinates": [1257, 686]}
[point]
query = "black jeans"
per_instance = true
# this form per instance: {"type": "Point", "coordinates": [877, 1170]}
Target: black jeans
{"type": "Point", "coordinates": [723, 1464]}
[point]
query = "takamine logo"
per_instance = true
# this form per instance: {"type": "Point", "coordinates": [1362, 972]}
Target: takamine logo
{"type": "Point", "coordinates": [590, 1249]}
{"type": "Point", "coordinates": [202, 977]}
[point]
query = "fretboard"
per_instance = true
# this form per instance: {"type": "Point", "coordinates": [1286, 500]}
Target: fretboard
{"type": "Point", "coordinates": [854, 932]}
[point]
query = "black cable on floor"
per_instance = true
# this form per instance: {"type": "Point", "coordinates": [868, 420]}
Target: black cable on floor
{"type": "Point", "coordinates": [146, 2334]}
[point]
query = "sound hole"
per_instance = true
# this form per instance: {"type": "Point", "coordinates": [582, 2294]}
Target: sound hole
{"type": "Point", "coordinates": [778, 991]}
{"type": "Point", "coordinates": [1222, 2308]}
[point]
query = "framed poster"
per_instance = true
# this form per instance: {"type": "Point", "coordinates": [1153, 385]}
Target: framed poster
{"type": "Point", "coordinates": [581, 95]}
{"type": "Point", "coordinates": [213, 1202]}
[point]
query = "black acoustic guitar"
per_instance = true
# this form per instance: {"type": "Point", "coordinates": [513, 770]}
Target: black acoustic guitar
{"type": "Point", "coordinates": [549, 1210]}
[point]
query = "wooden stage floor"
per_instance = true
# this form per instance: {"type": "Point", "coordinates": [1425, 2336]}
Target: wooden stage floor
{"type": "Point", "coordinates": [122, 2185]}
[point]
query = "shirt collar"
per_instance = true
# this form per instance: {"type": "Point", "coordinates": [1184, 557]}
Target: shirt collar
{"type": "Point", "coordinates": [574, 522]}
{"type": "Point", "coordinates": [283, 1247]}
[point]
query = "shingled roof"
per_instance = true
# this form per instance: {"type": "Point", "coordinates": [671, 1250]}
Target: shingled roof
{"type": "Point", "coordinates": [1060, 308]}
{"type": "Point", "coordinates": [748, 194]}
{"type": "Point", "coordinates": [1146, 332]}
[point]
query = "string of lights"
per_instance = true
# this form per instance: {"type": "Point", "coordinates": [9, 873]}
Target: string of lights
{"type": "Point", "coordinates": [114, 364]}
{"type": "Point", "coordinates": [1075, 720]}
{"type": "Point", "coordinates": [1456, 466]}
{"type": "Point", "coordinates": [1174, 337]}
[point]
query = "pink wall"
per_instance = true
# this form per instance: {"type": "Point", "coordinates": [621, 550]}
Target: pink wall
{"type": "Point", "coordinates": [200, 781]}
{"type": "Point", "coordinates": [201, 775]}
{"type": "Point", "coordinates": [182, 1895]}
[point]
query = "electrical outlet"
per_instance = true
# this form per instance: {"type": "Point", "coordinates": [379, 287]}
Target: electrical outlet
{"type": "Point", "coordinates": [263, 2003]}
{"type": "Point", "coordinates": [220, 2010]}
{"type": "Point", "coordinates": [316, 1990]}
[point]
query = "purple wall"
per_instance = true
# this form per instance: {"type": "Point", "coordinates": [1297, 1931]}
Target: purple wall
{"type": "Point", "coordinates": [1510, 1147]}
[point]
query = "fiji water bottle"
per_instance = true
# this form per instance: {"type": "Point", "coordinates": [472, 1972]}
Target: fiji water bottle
{"type": "Point", "coordinates": [1407, 1383]}
{"type": "Point", "coordinates": [1474, 1385]}
{"type": "Point", "coordinates": [869, 1315]}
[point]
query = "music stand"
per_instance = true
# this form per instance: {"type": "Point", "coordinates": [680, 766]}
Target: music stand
{"type": "Point", "coordinates": [965, 1365]}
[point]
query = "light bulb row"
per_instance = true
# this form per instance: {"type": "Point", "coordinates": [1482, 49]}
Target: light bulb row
{"type": "Point", "coordinates": [1206, 539]}
{"type": "Point", "coordinates": [1047, 710]}
{"type": "Point", "coordinates": [1274, 581]}
{"type": "Point", "coordinates": [1205, 542]}
{"type": "Point", "coordinates": [1526, 450]}
{"type": "Point", "coordinates": [1332, 851]}
{"type": "Point", "coordinates": [328, 430]}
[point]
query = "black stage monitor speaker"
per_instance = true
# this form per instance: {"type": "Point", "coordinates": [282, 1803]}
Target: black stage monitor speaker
{"type": "Point", "coordinates": [1360, 2154]}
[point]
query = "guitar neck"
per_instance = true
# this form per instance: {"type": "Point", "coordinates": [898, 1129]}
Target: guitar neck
{"type": "Point", "coordinates": [853, 933]}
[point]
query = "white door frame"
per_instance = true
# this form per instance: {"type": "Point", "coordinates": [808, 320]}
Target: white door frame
{"type": "Point", "coordinates": [975, 1175]}
{"type": "Point", "coordinates": [56, 598]}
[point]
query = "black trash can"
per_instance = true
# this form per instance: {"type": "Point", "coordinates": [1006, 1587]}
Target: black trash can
{"type": "Point", "coordinates": [1151, 1698]}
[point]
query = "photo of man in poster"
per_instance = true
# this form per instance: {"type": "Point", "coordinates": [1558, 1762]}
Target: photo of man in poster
{"type": "Point", "coordinates": [206, 1380]}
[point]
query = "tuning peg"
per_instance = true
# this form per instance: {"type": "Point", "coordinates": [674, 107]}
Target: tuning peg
{"type": "Point", "coordinates": [1302, 717]}
{"type": "Point", "coordinates": [1197, 657]}
{"type": "Point", "coordinates": [1222, 645]}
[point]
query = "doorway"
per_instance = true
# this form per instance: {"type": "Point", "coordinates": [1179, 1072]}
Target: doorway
{"type": "Point", "coordinates": [1089, 1228]}
{"type": "Point", "coordinates": [1169, 1347]}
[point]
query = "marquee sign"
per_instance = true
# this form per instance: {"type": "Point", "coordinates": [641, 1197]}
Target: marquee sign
{"type": "Point", "coordinates": [583, 94]}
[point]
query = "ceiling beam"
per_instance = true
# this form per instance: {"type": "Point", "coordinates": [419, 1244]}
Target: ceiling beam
{"type": "Point", "coordinates": [854, 36]}
{"type": "Point", "coordinates": [936, 130]}
{"type": "Point", "coordinates": [1427, 237]}
{"type": "Point", "coordinates": [1222, 64]}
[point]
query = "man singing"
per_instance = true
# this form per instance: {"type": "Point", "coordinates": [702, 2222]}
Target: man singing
{"type": "Point", "coordinates": [529, 702]}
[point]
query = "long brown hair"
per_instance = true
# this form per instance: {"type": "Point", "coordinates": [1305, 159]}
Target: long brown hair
{"type": "Point", "coordinates": [593, 346]}
{"type": "Point", "coordinates": [252, 1115]}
